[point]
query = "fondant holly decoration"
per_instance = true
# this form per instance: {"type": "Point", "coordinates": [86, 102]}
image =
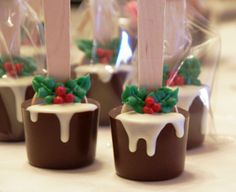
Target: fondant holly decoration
{"type": "Point", "coordinates": [162, 100]}
{"type": "Point", "coordinates": [72, 91]}
{"type": "Point", "coordinates": [187, 75]}
{"type": "Point", "coordinates": [106, 54]}
{"type": "Point", "coordinates": [17, 66]}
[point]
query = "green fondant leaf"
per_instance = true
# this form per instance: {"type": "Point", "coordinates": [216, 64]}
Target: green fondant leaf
{"type": "Point", "coordinates": [84, 82]}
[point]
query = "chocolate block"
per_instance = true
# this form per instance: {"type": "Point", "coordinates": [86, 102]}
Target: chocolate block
{"type": "Point", "coordinates": [45, 149]}
{"type": "Point", "coordinates": [167, 162]}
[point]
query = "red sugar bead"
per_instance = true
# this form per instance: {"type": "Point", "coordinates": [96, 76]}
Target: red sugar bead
{"type": "Point", "coordinates": [179, 80]}
{"type": "Point", "coordinates": [100, 52]}
{"type": "Point", "coordinates": [58, 100]}
{"type": "Point", "coordinates": [148, 110]}
{"type": "Point", "coordinates": [60, 91]}
{"type": "Point", "coordinates": [7, 66]}
{"type": "Point", "coordinates": [104, 60]}
{"type": "Point", "coordinates": [69, 98]}
{"type": "Point", "coordinates": [149, 101]}
{"type": "Point", "coordinates": [18, 67]}
{"type": "Point", "coordinates": [156, 107]}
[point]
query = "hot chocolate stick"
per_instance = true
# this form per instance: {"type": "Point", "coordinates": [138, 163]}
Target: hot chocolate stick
{"type": "Point", "coordinates": [10, 19]}
{"type": "Point", "coordinates": [151, 19]}
{"type": "Point", "coordinates": [57, 31]}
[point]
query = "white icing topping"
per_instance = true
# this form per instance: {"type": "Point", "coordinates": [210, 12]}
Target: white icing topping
{"type": "Point", "coordinates": [63, 112]}
{"type": "Point", "coordinates": [104, 72]}
{"type": "Point", "coordinates": [149, 127]}
{"type": "Point", "coordinates": [18, 87]}
{"type": "Point", "coordinates": [188, 93]}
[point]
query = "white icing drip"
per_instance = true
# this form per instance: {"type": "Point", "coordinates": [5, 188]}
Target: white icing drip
{"type": "Point", "coordinates": [188, 93]}
{"type": "Point", "coordinates": [64, 114]}
{"type": "Point", "coordinates": [18, 87]}
{"type": "Point", "coordinates": [104, 72]}
{"type": "Point", "coordinates": [149, 127]}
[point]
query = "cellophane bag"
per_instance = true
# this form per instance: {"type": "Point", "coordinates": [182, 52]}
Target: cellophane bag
{"type": "Point", "coordinates": [191, 56]}
{"type": "Point", "coordinates": [104, 39]}
{"type": "Point", "coordinates": [17, 66]}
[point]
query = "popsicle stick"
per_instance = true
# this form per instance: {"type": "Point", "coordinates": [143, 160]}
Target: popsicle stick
{"type": "Point", "coordinates": [57, 34]}
{"type": "Point", "coordinates": [151, 42]}
{"type": "Point", "coordinates": [175, 34]}
{"type": "Point", "coordinates": [10, 21]}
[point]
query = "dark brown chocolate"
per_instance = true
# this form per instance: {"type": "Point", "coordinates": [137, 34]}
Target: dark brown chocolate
{"type": "Point", "coordinates": [10, 128]}
{"type": "Point", "coordinates": [107, 94]}
{"type": "Point", "coordinates": [196, 112]}
{"type": "Point", "coordinates": [168, 161]}
{"type": "Point", "coordinates": [45, 148]}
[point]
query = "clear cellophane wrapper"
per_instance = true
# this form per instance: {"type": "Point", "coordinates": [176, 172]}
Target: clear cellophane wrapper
{"type": "Point", "coordinates": [102, 33]}
{"type": "Point", "coordinates": [21, 40]}
{"type": "Point", "coordinates": [191, 56]}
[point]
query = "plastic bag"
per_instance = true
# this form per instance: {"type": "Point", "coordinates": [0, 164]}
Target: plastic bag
{"type": "Point", "coordinates": [17, 64]}
{"type": "Point", "coordinates": [104, 40]}
{"type": "Point", "coordinates": [192, 51]}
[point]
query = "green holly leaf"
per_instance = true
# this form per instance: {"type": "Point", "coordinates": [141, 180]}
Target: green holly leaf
{"type": "Point", "coordinates": [168, 98]}
{"type": "Point", "coordinates": [86, 46]}
{"type": "Point", "coordinates": [191, 70]}
{"type": "Point", "coordinates": [84, 82]}
{"type": "Point", "coordinates": [79, 92]}
{"type": "Point", "coordinates": [42, 92]}
{"type": "Point", "coordinates": [49, 99]}
{"type": "Point", "coordinates": [134, 97]}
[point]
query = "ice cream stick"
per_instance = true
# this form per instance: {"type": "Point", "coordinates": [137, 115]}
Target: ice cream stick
{"type": "Point", "coordinates": [151, 20]}
{"type": "Point", "coordinates": [57, 34]}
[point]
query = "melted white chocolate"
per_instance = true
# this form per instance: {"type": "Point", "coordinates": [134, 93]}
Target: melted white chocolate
{"type": "Point", "coordinates": [18, 87]}
{"type": "Point", "coordinates": [103, 71]}
{"type": "Point", "coordinates": [188, 93]}
{"type": "Point", "coordinates": [64, 114]}
{"type": "Point", "coordinates": [148, 127]}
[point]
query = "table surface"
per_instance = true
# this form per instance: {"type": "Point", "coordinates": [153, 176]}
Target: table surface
{"type": "Point", "coordinates": [210, 168]}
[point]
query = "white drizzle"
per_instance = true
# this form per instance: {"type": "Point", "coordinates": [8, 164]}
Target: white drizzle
{"type": "Point", "coordinates": [149, 127]}
{"type": "Point", "coordinates": [18, 87]}
{"type": "Point", "coordinates": [104, 72]}
{"type": "Point", "coordinates": [188, 93]}
{"type": "Point", "coordinates": [64, 114]}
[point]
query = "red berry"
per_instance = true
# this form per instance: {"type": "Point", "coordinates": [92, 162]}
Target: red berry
{"type": "Point", "coordinates": [149, 101]}
{"type": "Point", "coordinates": [7, 66]}
{"type": "Point", "coordinates": [60, 91]}
{"type": "Point", "coordinates": [104, 60]}
{"type": "Point", "coordinates": [109, 53]}
{"type": "Point", "coordinates": [100, 52]}
{"type": "Point", "coordinates": [156, 107]}
{"type": "Point", "coordinates": [148, 110]}
{"type": "Point", "coordinates": [12, 73]}
{"type": "Point", "coordinates": [58, 100]}
{"type": "Point", "coordinates": [18, 68]}
{"type": "Point", "coordinates": [69, 98]}
{"type": "Point", "coordinates": [179, 80]}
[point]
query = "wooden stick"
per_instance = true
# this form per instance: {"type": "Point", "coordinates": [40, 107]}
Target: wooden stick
{"type": "Point", "coordinates": [151, 19]}
{"type": "Point", "coordinates": [57, 32]}
{"type": "Point", "coordinates": [10, 21]}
